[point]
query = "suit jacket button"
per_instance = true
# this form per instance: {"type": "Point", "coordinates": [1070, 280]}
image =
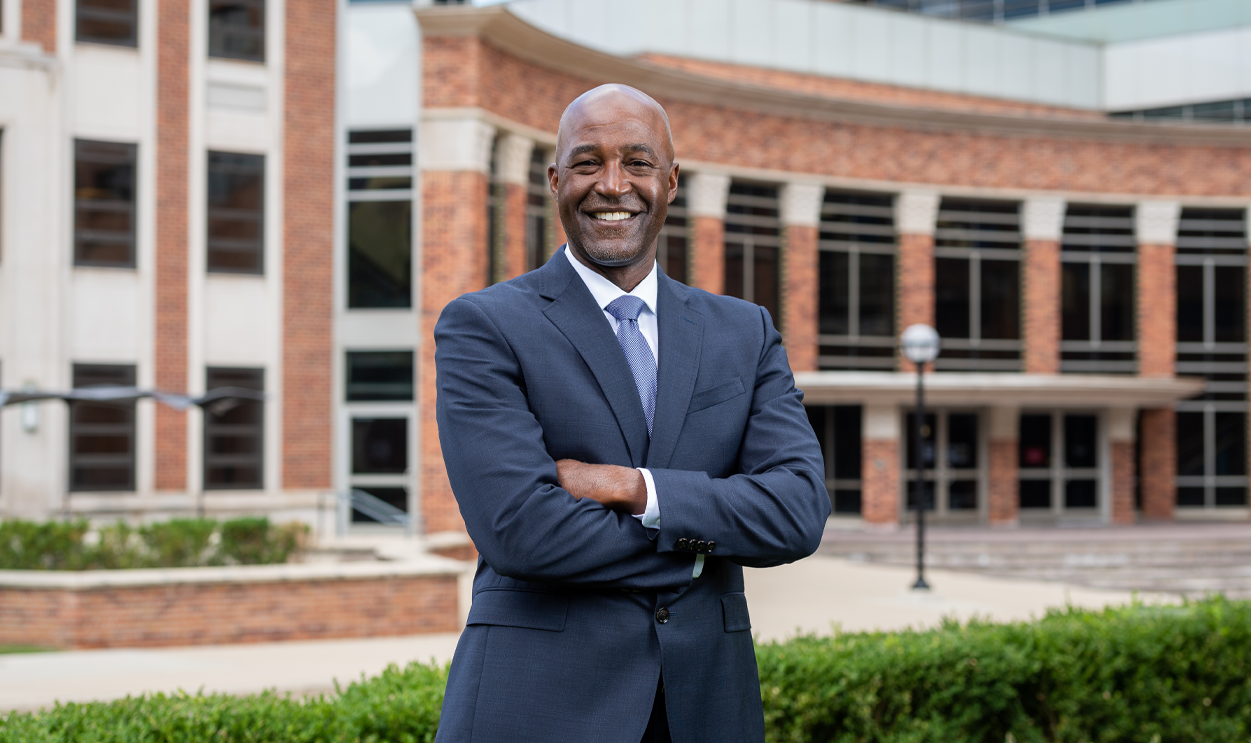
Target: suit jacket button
{"type": "Point", "coordinates": [662, 615]}
{"type": "Point", "coordinates": [701, 546]}
{"type": "Point", "coordinates": [681, 545]}
{"type": "Point", "coordinates": [712, 546]}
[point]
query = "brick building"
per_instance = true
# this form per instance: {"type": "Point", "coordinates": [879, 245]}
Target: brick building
{"type": "Point", "coordinates": [1065, 203]}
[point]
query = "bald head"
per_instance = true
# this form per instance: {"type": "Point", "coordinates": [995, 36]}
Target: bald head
{"type": "Point", "coordinates": [609, 101]}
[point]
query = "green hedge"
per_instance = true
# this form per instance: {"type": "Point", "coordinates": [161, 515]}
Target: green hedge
{"type": "Point", "coordinates": [177, 543]}
{"type": "Point", "coordinates": [1138, 674]}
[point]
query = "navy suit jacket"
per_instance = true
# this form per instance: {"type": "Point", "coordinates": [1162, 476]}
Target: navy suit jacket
{"type": "Point", "coordinates": [563, 642]}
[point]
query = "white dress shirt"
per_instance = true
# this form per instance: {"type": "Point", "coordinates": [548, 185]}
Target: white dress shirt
{"type": "Point", "coordinates": [605, 292]}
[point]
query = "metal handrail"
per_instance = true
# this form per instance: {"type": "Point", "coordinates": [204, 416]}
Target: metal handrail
{"type": "Point", "coordinates": [375, 508]}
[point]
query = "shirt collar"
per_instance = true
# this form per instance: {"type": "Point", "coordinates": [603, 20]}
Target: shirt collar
{"type": "Point", "coordinates": [605, 291]}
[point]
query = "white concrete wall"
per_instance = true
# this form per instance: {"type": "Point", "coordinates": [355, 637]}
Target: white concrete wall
{"type": "Point", "coordinates": [1191, 68]}
{"type": "Point", "coordinates": [381, 65]}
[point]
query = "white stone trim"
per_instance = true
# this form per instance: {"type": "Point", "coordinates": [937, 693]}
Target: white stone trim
{"type": "Point", "coordinates": [455, 145]}
{"type": "Point", "coordinates": [1121, 424]}
{"type": "Point", "coordinates": [1042, 218]}
{"type": "Point", "coordinates": [916, 212]}
{"type": "Point", "coordinates": [880, 423]}
{"type": "Point", "coordinates": [1004, 423]}
{"type": "Point", "coordinates": [801, 204]}
{"type": "Point", "coordinates": [1155, 222]}
{"type": "Point", "coordinates": [512, 159]}
{"type": "Point", "coordinates": [706, 195]}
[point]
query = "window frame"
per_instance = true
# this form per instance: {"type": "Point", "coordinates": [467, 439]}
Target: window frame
{"type": "Point", "coordinates": [257, 32]}
{"type": "Point", "coordinates": [76, 429]}
{"type": "Point", "coordinates": [374, 183]}
{"type": "Point", "coordinates": [212, 429]}
{"type": "Point", "coordinates": [106, 205]}
{"type": "Point", "coordinates": [229, 244]}
{"type": "Point", "coordinates": [115, 16]}
{"type": "Point", "coordinates": [1084, 248]}
{"type": "Point", "coordinates": [740, 229]}
{"type": "Point", "coordinates": [676, 229]}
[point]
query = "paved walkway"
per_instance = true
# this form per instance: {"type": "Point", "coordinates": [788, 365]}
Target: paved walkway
{"type": "Point", "coordinates": [811, 596]}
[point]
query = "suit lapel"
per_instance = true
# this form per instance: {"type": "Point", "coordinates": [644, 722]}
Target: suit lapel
{"type": "Point", "coordinates": [574, 312]}
{"type": "Point", "coordinates": [681, 332]}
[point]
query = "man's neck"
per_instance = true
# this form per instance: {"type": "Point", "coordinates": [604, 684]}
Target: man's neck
{"type": "Point", "coordinates": [624, 277]}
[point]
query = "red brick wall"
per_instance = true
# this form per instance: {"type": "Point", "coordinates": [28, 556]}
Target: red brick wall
{"type": "Point", "coordinates": [216, 613]}
{"type": "Point", "coordinates": [799, 305]}
{"type": "Point", "coordinates": [450, 71]}
{"type": "Point", "coordinates": [1003, 498]}
{"type": "Point", "coordinates": [1157, 310]}
{"type": "Point", "coordinates": [707, 254]}
{"type": "Point", "coordinates": [453, 262]}
{"type": "Point", "coordinates": [308, 243]}
{"type": "Point", "coordinates": [879, 495]}
{"type": "Point", "coordinates": [172, 203]}
{"type": "Point", "coordinates": [39, 23]}
{"type": "Point", "coordinates": [514, 231]}
{"type": "Point", "coordinates": [1158, 467]}
{"type": "Point", "coordinates": [1122, 482]}
{"type": "Point", "coordinates": [1041, 308]}
{"type": "Point", "coordinates": [914, 297]}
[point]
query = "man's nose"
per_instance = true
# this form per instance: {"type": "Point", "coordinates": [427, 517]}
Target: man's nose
{"type": "Point", "coordinates": [613, 183]}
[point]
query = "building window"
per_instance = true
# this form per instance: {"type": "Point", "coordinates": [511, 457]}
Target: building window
{"type": "Point", "coordinates": [234, 433]}
{"type": "Point", "coordinates": [989, 11]}
{"type": "Point", "coordinates": [752, 240]}
{"type": "Point", "coordinates": [102, 434]}
{"type": "Point", "coordinates": [856, 294]}
{"type": "Point", "coordinates": [497, 201]}
{"type": "Point", "coordinates": [671, 244]}
{"type": "Point", "coordinates": [1097, 256]}
{"type": "Point", "coordinates": [113, 22]}
{"type": "Point", "coordinates": [952, 481]}
{"type": "Point", "coordinates": [380, 219]}
{"type": "Point", "coordinates": [1212, 343]}
{"type": "Point", "coordinates": [236, 212]}
{"type": "Point", "coordinates": [1058, 484]}
{"type": "Point", "coordinates": [537, 195]}
{"type": "Point", "coordinates": [977, 280]}
{"type": "Point", "coordinates": [838, 431]}
{"type": "Point", "coordinates": [104, 204]}
{"type": "Point", "coordinates": [237, 29]}
{"type": "Point", "coordinates": [374, 376]}
{"type": "Point", "coordinates": [1234, 111]}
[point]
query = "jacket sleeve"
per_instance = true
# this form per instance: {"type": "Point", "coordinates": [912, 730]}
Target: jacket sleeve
{"type": "Point", "coordinates": [523, 523]}
{"type": "Point", "coordinates": [774, 510]}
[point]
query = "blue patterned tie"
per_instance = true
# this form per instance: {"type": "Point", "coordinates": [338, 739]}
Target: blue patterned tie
{"type": "Point", "coordinates": [638, 354]}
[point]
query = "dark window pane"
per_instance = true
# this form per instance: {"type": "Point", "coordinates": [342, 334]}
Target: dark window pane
{"type": "Point", "coordinates": [1190, 497]}
{"type": "Point", "coordinates": [765, 284]}
{"type": "Point", "coordinates": [234, 431]}
{"type": "Point", "coordinates": [1035, 441]}
{"type": "Point", "coordinates": [380, 254]}
{"type": "Point", "coordinates": [675, 258]}
{"type": "Point", "coordinates": [846, 501]}
{"type": "Point", "coordinates": [1117, 297]}
{"type": "Point", "coordinates": [102, 434]}
{"type": "Point", "coordinates": [1075, 302]}
{"type": "Point", "coordinates": [877, 295]}
{"type": "Point", "coordinates": [734, 269]}
{"type": "Point", "coordinates": [1081, 441]}
{"type": "Point", "coordinates": [104, 203]}
{"type": "Point", "coordinates": [237, 29]}
{"type": "Point", "coordinates": [927, 441]}
{"type": "Point", "coordinates": [107, 22]}
{"type": "Point", "coordinates": [1035, 493]}
{"type": "Point", "coordinates": [834, 293]}
{"type": "Point", "coordinates": [397, 497]}
{"type": "Point", "coordinates": [236, 212]}
{"type": "Point", "coordinates": [379, 375]}
{"type": "Point", "coordinates": [1080, 494]}
{"type": "Point", "coordinates": [1190, 304]}
{"type": "Point", "coordinates": [1231, 304]}
{"type": "Point", "coordinates": [1231, 496]}
{"type": "Point", "coordinates": [1231, 444]}
{"type": "Point", "coordinates": [382, 136]}
{"type": "Point", "coordinates": [962, 495]}
{"type": "Point", "coordinates": [1190, 444]}
{"type": "Point", "coordinates": [927, 490]}
{"type": "Point", "coordinates": [1001, 300]}
{"type": "Point", "coordinates": [962, 441]}
{"type": "Point", "coordinates": [379, 446]}
{"type": "Point", "coordinates": [847, 442]}
{"type": "Point", "coordinates": [951, 289]}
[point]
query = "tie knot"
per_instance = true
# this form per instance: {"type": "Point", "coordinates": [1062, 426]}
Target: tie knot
{"type": "Point", "coordinates": [625, 308]}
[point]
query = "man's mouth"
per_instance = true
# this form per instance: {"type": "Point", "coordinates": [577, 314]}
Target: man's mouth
{"type": "Point", "coordinates": [612, 216]}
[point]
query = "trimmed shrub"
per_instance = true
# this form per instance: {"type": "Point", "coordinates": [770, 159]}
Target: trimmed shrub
{"type": "Point", "coordinates": [1135, 674]}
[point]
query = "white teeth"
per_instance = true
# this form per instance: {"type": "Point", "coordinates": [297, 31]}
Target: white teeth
{"type": "Point", "coordinates": [613, 216]}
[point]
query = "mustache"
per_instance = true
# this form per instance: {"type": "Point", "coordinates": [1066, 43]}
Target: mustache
{"type": "Point", "coordinates": [602, 205]}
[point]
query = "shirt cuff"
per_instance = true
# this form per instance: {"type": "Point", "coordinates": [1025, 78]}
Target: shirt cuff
{"type": "Point", "coordinates": [699, 567]}
{"type": "Point", "coordinates": [650, 517]}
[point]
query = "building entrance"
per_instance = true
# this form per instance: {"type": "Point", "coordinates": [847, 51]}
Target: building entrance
{"type": "Point", "coordinates": [952, 456]}
{"type": "Point", "coordinates": [1060, 465]}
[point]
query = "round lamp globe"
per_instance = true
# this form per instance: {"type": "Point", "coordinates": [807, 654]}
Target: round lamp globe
{"type": "Point", "coordinates": [920, 343]}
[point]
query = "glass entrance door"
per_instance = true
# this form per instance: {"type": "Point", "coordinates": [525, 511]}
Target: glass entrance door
{"type": "Point", "coordinates": [954, 479]}
{"type": "Point", "coordinates": [1059, 464]}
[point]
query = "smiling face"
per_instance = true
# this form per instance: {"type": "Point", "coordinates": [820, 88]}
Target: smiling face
{"type": "Point", "coordinates": [614, 176]}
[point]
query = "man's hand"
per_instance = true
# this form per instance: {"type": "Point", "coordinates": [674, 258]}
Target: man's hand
{"type": "Point", "coordinates": [620, 488]}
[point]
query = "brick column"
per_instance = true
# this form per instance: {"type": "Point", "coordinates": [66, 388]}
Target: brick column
{"type": "Point", "coordinates": [172, 233]}
{"type": "Point", "coordinates": [1158, 466]}
{"type": "Point", "coordinates": [308, 245]}
{"type": "Point", "coordinates": [801, 213]}
{"type": "Point", "coordinates": [1042, 221]}
{"type": "Point", "coordinates": [879, 464]}
{"type": "Point", "coordinates": [455, 158]}
{"type": "Point", "coordinates": [1121, 437]}
{"type": "Point", "coordinates": [1003, 496]}
{"type": "Point", "coordinates": [916, 213]}
{"type": "Point", "coordinates": [706, 205]}
{"type": "Point", "coordinates": [513, 166]}
{"type": "Point", "coordinates": [39, 23]}
{"type": "Point", "coordinates": [1156, 228]}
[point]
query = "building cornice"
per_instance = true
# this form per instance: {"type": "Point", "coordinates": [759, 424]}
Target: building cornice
{"type": "Point", "coordinates": [508, 32]}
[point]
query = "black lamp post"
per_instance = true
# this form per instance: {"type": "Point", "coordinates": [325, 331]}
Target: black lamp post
{"type": "Point", "coordinates": [920, 344]}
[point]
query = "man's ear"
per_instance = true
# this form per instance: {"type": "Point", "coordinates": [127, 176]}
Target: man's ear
{"type": "Point", "coordinates": [673, 183]}
{"type": "Point", "coordinates": [553, 180]}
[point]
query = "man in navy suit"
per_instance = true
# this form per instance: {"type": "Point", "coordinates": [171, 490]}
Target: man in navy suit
{"type": "Point", "coordinates": [620, 446]}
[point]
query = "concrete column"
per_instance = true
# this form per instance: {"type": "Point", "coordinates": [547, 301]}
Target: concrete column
{"type": "Point", "coordinates": [801, 213]}
{"type": "Point", "coordinates": [706, 205]}
{"type": "Point", "coordinates": [880, 447]}
{"type": "Point", "coordinates": [1003, 491]}
{"type": "Point", "coordinates": [1042, 223]}
{"type": "Point", "coordinates": [1121, 440]}
{"type": "Point", "coordinates": [512, 167]}
{"type": "Point", "coordinates": [916, 213]}
{"type": "Point", "coordinates": [1156, 229]}
{"type": "Point", "coordinates": [455, 159]}
{"type": "Point", "coordinates": [1158, 466]}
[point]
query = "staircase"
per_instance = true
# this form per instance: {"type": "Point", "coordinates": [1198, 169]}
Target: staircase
{"type": "Point", "coordinates": [1190, 560]}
